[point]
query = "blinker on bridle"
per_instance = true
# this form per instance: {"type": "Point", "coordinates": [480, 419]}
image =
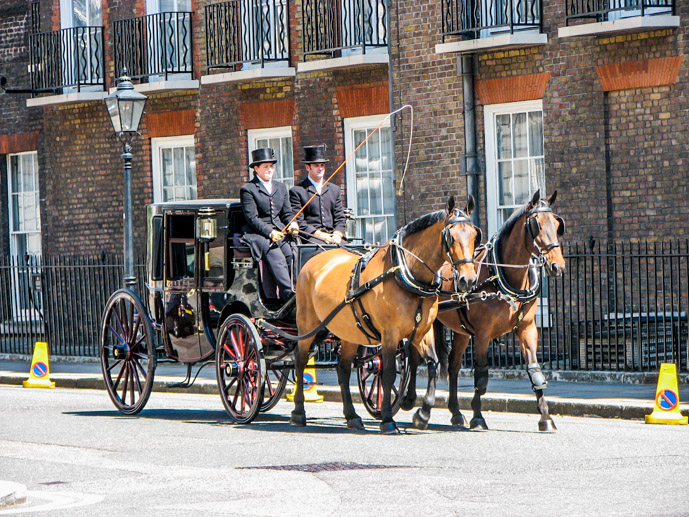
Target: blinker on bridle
{"type": "Point", "coordinates": [534, 228]}
{"type": "Point", "coordinates": [459, 217]}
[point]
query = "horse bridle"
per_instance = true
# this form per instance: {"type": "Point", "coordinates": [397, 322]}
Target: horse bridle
{"type": "Point", "coordinates": [534, 229]}
{"type": "Point", "coordinates": [448, 240]}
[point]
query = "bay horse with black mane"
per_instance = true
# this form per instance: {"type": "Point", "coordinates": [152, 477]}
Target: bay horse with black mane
{"type": "Point", "coordinates": [382, 310]}
{"type": "Point", "coordinates": [504, 300]}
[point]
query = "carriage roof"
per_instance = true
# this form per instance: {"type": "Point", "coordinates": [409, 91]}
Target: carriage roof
{"type": "Point", "coordinates": [197, 203]}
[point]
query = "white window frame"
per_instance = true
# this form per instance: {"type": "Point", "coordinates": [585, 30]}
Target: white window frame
{"type": "Point", "coordinates": [255, 135]}
{"type": "Point", "coordinates": [153, 7]}
{"type": "Point", "coordinates": [350, 125]}
{"type": "Point", "coordinates": [67, 21]}
{"type": "Point", "coordinates": [157, 145]}
{"type": "Point", "coordinates": [19, 312]}
{"type": "Point", "coordinates": [490, 111]}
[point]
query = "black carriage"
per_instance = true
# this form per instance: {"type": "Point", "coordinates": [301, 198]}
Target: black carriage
{"type": "Point", "coordinates": [204, 296]}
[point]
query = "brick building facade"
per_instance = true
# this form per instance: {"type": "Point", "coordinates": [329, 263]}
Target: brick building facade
{"type": "Point", "coordinates": [596, 105]}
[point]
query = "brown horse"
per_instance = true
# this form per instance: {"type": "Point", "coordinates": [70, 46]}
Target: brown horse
{"type": "Point", "coordinates": [388, 311]}
{"type": "Point", "coordinates": [505, 299]}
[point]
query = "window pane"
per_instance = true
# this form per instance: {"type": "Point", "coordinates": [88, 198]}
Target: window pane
{"type": "Point", "coordinates": [535, 133]}
{"type": "Point", "coordinates": [362, 195]}
{"type": "Point", "coordinates": [505, 195]}
{"type": "Point", "coordinates": [190, 165]}
{"type": "Point", "coordinates": [504, 137]}
{"type": "Point", "coordinates": [178, 164]}
{"type": "Point", "coordinates": [360, 158]}
{"type": "Point", "coordinates": [386, 147]}
{"type": "Point", "coordinates": [537, 174]}
{"type": "Point", "coordinates": [376, 193]}
{"type": "Point", "coordinates": [521, 181]}
{"type": "Point", "coordinates": [520, 137]}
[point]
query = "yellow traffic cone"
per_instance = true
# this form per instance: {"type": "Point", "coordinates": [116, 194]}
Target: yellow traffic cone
{"type": "Point", "coordinates": [39, 376]}
{"type": "Point", "coordinates": [666, 409]}
{"type": "Point", "coordinates": [310, 391]}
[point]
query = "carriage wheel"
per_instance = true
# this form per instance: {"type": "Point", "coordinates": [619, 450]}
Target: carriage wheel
{"type": "Point", "coordinates": [273, 388]}
{"type": "Point", "coordinates": [239, 368]}
{"type": "Point", "coordinates": [370, 376]}
{"type": "Point", "coordinates": [127, 353]}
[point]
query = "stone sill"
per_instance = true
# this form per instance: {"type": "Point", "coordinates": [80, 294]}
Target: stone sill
{"type": "Point", "coordinates": [634, 24]}
{"type": "Point", "coordinates": [66, 98]}
{"type": "Point", "coordinates": [258, 74]}
{"type": "Point", "coordinates": [343, 62]}
{"type": "Point", "coordinates": [164, 86]}
{"type": "Point", "coordinates": [504, 41]}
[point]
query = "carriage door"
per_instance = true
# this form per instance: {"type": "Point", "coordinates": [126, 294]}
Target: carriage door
{"type": "Point", "coordinates": [181, 288]}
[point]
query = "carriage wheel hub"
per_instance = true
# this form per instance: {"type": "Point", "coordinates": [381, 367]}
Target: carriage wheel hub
{"type": "Point", "coordinates": [232, 369]}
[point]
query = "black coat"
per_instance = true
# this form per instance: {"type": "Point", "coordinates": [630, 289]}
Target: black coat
{"type": "Point", "coordinates": [264, 213]}
{"type": "Point", "coordinates": [324, 213]}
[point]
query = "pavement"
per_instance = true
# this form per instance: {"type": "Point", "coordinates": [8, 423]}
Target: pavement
{"type": "Point", "coordinates": [583, 394]}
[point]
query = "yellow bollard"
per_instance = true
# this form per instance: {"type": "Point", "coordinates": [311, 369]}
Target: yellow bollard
{"type": "Point", "coordinates": [666, 409]}
{"type": "Point", "coordinates": [39, 376]}
{"type": "Point", "coordinates": [310, 391]}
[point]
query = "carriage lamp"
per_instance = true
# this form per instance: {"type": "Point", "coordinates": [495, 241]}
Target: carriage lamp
{"type": "Point", "coordinates": [126, 107]}
{"type": "Point", "coordinates": [206, 225]}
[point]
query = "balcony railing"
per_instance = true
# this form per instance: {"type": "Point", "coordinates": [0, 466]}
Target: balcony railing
{"type": "Point", "coordinates": [473, 19]}
{"type": "Point", "coordinates": [604, 10]}
{"type": "Point", "coordinates": [247, 32]}
{"type": "Point", "coordinates": [68, 58]}
{"type": "Point", "coordinates": [341, 26]}
{"type": "Point", "coordinates": [155, 46]}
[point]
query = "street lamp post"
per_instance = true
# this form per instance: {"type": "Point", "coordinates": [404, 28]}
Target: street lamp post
{"type": "Point", "coordinates": [125, 107]}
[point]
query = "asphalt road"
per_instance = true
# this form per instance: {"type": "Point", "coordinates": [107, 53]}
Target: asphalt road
{"type": "Point", "coordinates": [182, 457]}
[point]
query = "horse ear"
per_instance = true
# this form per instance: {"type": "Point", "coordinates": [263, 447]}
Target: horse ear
{"type": "Point", "coordinates": [535, 199]}
{"type": "Point", "coordinates": [552, 198]}
{"type": "Point", "coordinates": [470, 205]}
{"type": "Point", "coordinates": [450, 205]}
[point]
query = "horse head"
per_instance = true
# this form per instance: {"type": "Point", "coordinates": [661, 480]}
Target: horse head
{"type": "Point", "coordinates": [542, 232]}
{"type": "Point", "coordinates": [460, 238]}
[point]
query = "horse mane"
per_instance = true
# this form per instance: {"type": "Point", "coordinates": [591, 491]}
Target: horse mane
{"type": "Point", "coordinates": [512, 220]}
{"type": "Point", "coordinates": [422, 223]}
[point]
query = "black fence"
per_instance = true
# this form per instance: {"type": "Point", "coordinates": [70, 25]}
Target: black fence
{"type": "Point", "coordinates": [333, 27]}
{"type": "Point", "coordinates": [620, 307]}
{"type": "Point", "coordinates": [155, 46]}
{"type": "Point", "coordinates": [68, 58]}
{"type": "Point", "coordinates": [603, 10]}
{"type": "Point", "coordinates": [247, 32]}
{"type": "Point", "coordinates": [473, 19]}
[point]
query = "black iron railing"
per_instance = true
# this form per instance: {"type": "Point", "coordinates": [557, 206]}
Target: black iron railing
{"type": "Point", "coordinates": [68, 58]}
{"type": "Point", "coordinates": [155, 46]}
{"type": "Point", "coordinates": [247, 32]}
{"type": "Point", "coordinates": [603, 10]}
{"type": "Point", "coordinates": [620, 307]}
{"type": "Point", "coordinates": [333, 27]}
{"type": "Point", "coordinates": [473, 19]}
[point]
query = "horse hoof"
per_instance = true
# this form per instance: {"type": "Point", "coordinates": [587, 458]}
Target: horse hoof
{"type": "Point", "coordinates": [407, 404]}
{"type": "Point", "coordinates": [420, 421]}
{"type": "Point", "coordinates": [478, 424]}
{"type": "Point", "coordinates": [458, 420]}
{"type": "Point", "coordinates": [389, 428]}
{"type": "Point", "coordinates": [298, 419]}
{"type": "Point", "coordinates": [546, 426]}
{"type": "Point", "coordinates": [356, 424]}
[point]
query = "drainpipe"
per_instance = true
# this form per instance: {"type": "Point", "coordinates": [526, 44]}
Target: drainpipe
{"type": "Point", "coordinates": [393, 128]}
{"type": "Point", "coordinates": [470, 164]}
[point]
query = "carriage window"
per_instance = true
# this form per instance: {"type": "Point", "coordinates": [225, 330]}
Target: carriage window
{"type": "Point", "coordinates": [182, 249]}
{"type": "Point", "coordinates": [157, 249]}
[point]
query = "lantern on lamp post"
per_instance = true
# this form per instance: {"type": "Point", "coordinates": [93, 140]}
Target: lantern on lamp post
{"type": "Point", "coordinates": [126, 107]}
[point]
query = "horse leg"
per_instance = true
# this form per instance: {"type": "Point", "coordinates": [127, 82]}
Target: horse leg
{"type": "Point", "coordinates": [388, 353]}
{"type": "Point", "coordinates": [528, 337]}
{"type": "Point", "coordinates": [301, 357]}
{"type": "Point", "coordinates": [480, 384]}
{"type": "Point", "coordinates": [344, 372]}
{"type": "Point", "coordinates": [460, 342]}
{"type": "Point", "coordinates": [423, 414]}
{"type": "Point", "coordinates": [409, 400]}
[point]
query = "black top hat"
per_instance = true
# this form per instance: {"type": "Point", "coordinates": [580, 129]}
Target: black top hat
{"type": "Point", "coordinates": [263, 155]}
{"type": "Point", "coordinates": [314, 154]}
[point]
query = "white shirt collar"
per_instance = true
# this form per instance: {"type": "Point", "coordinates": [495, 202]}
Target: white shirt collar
{"type": "Point", "coordinates": [267, 184]}
{"type": "Point", "coordinates": [319, 185]}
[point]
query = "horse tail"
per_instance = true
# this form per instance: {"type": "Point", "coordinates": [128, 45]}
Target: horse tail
{"type": "Point", "coordinates": [443, 347]}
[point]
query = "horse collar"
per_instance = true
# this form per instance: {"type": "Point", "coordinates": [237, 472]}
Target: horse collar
{"type": "Point", "coordinates": [404, 276]}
